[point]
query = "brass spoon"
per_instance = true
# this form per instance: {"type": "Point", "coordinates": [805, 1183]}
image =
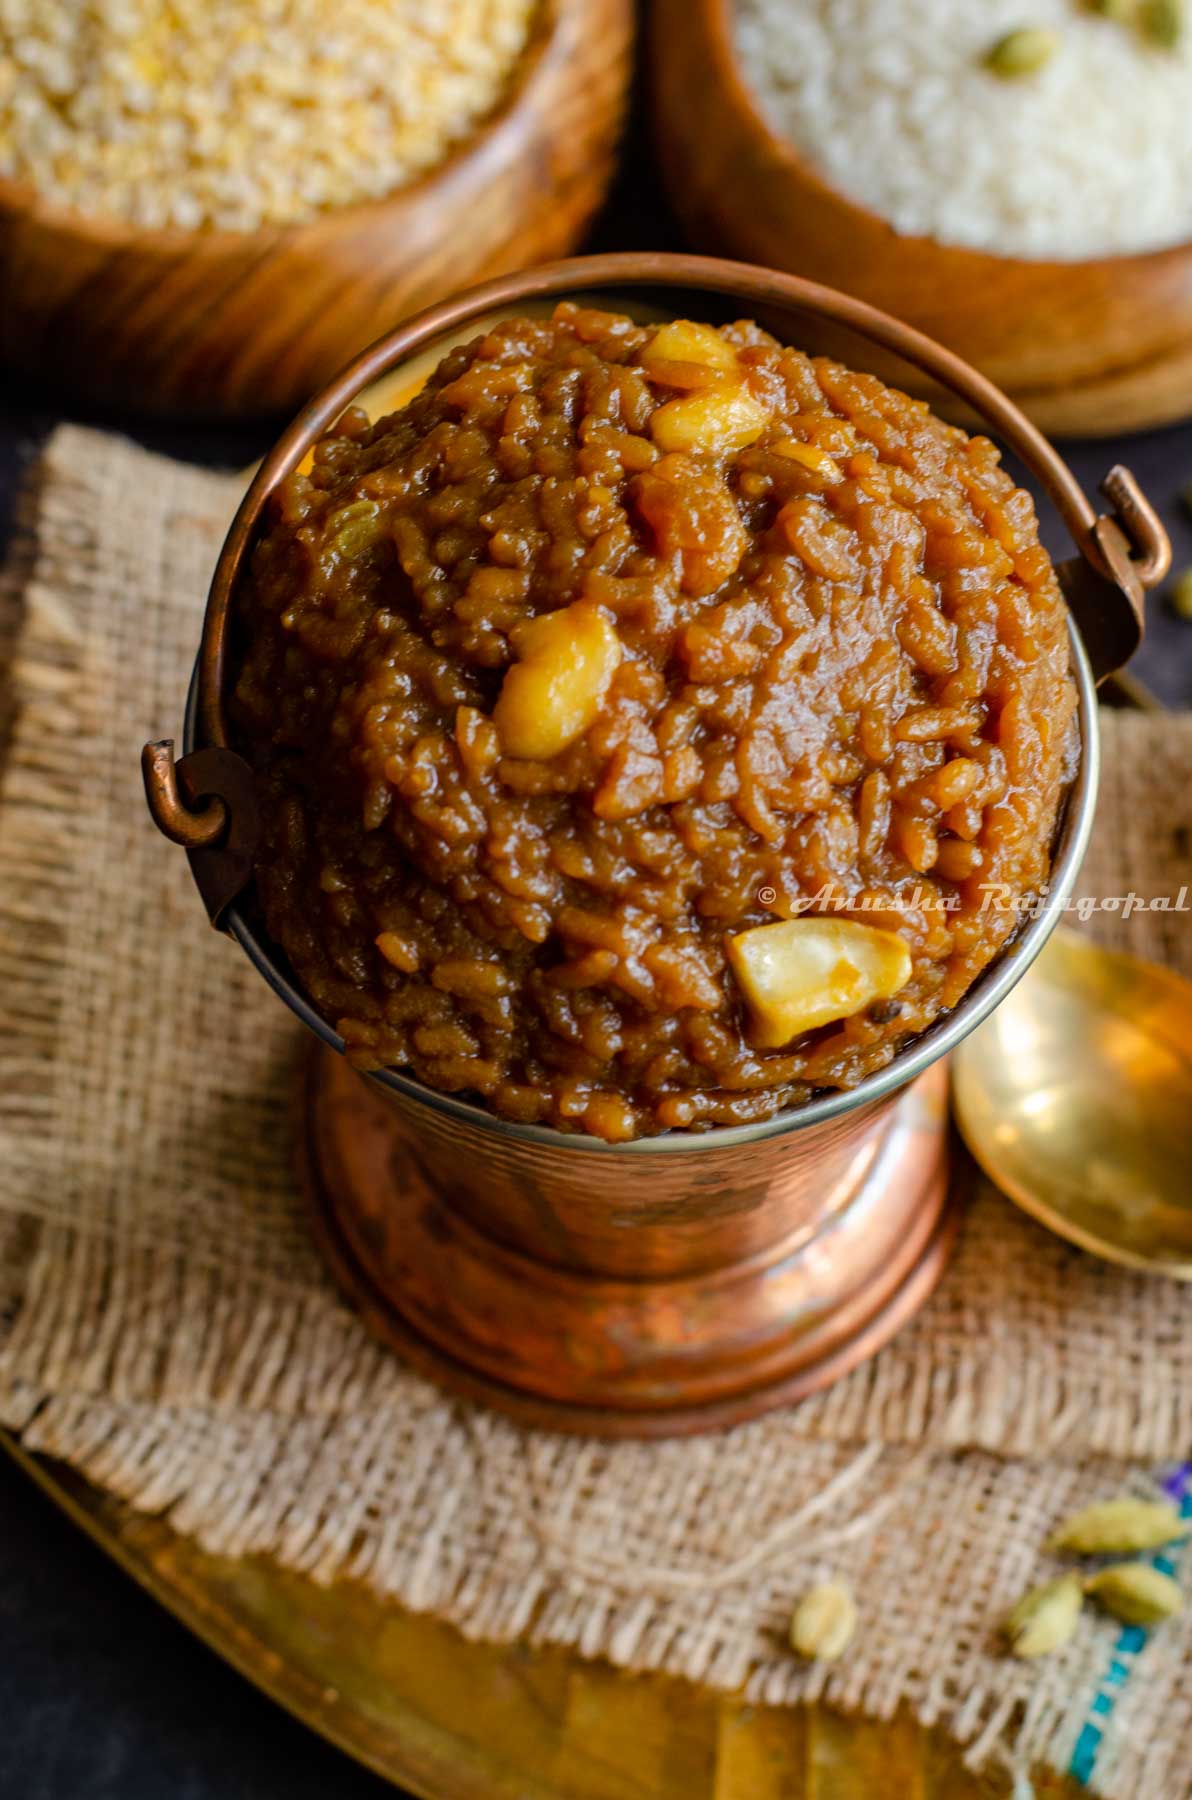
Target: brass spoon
{"type": "Point", "coordinates": [1075, 1097]}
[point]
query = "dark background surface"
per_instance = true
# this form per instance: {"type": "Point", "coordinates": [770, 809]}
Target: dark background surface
{"type": "Point", "coordinates": [102, 1695]}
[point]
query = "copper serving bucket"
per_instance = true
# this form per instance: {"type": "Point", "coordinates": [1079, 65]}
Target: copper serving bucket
{"type": "Point", "coordinates": [678, 1282]}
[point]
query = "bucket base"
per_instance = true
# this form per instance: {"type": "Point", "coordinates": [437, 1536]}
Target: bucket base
{"type": "Point", "coordinates": [589, 1354]}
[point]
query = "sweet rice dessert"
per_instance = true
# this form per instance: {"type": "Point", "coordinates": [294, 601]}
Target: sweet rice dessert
{"type": "Point", "coordinates": [645, 719]}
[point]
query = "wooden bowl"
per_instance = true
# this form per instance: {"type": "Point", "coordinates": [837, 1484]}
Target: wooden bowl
{"type": "Point", "coordinates": [1085, 348]}
{"type": "Point", "coordinates": [225, 324]}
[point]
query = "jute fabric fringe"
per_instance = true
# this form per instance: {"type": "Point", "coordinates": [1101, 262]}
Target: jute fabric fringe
{"type": "Point", "coordinates": [166, 1326]}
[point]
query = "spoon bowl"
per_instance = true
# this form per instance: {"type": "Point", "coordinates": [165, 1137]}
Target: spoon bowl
{"type": "Point", "coordinates": [1075, 1097]}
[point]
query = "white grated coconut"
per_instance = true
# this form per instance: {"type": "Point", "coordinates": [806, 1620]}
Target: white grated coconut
{"type": "Point", "coordinates": [1090, 155]}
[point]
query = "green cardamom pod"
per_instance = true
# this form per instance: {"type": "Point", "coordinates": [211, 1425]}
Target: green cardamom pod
{"type": "Point", "coordinates": [824, 1622]}
{"type": "Point", "coordinates": [1021, 52]}
{"type": "Point", "coordinates": [1162, 21]}
{"type": "Point", "coordinates": [1118, 1527]}
{"type": "Point", "coordinates": [1045, 1618]}
{"type": "Point", "coordinates": [1181, 595]}
{"type": "Point", "coordinates": [1136, 1593]}
{"type": "Point", "coordinates": [1122, 12]}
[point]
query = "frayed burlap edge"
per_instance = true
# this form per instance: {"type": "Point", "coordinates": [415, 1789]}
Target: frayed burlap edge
{"type": "Point", "coordinates": [171, 1372]}
{"type": "Point", "coordinates": [460, 1514]}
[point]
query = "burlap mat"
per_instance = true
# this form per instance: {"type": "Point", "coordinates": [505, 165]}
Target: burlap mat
{"type": "Point", "coordinates": [166, 1326]}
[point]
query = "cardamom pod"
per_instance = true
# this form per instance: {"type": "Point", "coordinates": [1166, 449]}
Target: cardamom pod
{"type": "Point", "coordinates": [1162, 21]}
{"type": "Point", "coordinates": [1118, 1527]}
{"type": "Point", "coordinates": [1120, 11]}
{"type": "Point", "coordinates": [1180, 595]}
{"type": "Point", "coordinates": [1021, 52]}
{"type": "Point", "coordinates": [1045, 1618]}
{"type": "Point", "coordinates": [1136, 1593]}
{"type": "Point", "coordinates": [824, 1622]}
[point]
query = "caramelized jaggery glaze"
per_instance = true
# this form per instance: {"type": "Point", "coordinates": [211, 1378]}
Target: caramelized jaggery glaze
{"type": "Point", "coordinates": [818, 653]}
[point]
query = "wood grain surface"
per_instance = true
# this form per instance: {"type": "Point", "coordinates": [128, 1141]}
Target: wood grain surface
{"type": "Point", "coordinates": [1086, 348]}
{"type": "Point", "coordinates": [220, 323]}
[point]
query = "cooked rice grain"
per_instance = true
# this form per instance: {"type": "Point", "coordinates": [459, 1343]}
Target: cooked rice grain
{"type": "Point", "coordinates": [892, 100]}
{"type": "Point", "coordinates": [861, 686]}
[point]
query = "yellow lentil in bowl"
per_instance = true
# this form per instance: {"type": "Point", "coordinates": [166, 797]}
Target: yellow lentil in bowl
{"type": "Point", "coordinates": [236, 114]}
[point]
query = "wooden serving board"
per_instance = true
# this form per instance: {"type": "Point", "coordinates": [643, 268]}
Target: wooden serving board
{"type": "Point", "coordinates": [446, 1719]}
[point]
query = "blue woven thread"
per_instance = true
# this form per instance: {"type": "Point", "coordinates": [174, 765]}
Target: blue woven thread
{"type": "Point", "coordinates": [1130, 1641]}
